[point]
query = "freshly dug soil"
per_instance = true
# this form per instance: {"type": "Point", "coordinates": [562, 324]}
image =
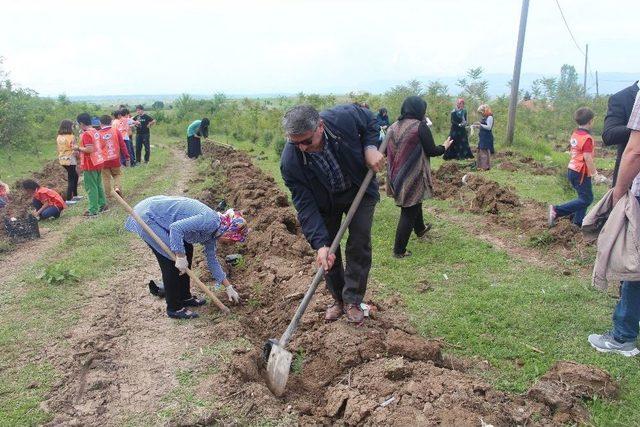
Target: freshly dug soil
{"type": "Point", "coordinates": [472, 192]}
{"type": "Point", "coordinates": [382, 373]}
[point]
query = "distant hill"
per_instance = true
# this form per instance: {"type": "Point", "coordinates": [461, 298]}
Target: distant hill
{"type": "Point", "coordinates": [498, 85]}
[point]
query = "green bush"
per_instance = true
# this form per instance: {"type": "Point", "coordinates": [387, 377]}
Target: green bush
{"type": "Point", "coordinates": [279, 146]}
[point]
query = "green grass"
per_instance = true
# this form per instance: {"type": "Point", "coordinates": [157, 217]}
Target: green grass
{"type": "Point", "coordinates": [492, 306]}
{"type": "Point", "coordinates": [18, 163]}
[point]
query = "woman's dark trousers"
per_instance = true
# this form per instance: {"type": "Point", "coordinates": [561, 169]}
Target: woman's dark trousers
{"type": "Point", "coordinates": [411, 219]}
{"type": "Point", "coordinates": [176, 286]}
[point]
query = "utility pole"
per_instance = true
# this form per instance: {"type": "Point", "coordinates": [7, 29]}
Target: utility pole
{"type": "Point", "coordinates": [597, 89]}
{"type": "Point", "coordinates": [515, 82]}
{"type": "Point", "coordinates": [586, 58]}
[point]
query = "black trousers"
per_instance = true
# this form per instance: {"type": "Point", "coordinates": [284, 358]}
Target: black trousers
{"type": "Point", "coordinates": [411, 219]}
{"type": "Point", "coordinates": [72, 181]}
{"type": "Point", "coordinates": [176, 287]}
{"type": "Point", "coordinates": [143, 139]}
{"type": "Point", "coordinates": [194, 147]}
{"type": "Point", "coordinates": [348, 283]}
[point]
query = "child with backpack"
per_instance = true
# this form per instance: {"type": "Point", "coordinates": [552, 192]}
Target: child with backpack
{"type": "Point", "coordinates": [91, 160]}
{"type": "Point", "coordinates": [580, 171]}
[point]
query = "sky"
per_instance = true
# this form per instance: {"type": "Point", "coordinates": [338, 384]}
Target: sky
{"type": "Point", "coordinates": [287, 46]}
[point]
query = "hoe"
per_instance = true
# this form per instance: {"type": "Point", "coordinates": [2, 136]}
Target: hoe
{"type": "Point", "coordinates": [274, 352]}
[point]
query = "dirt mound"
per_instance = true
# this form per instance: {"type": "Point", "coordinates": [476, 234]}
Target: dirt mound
{"type": "Point", "coordinates": [490, 196]}
{"type": "Point", "coordinates": [566, 384]}
{"type": "Point", "coordinates": [470, 191]}
{"type": "Point", "coordinates": [507, 166]}
{"type": "Point", "coordinates": [380, 373]}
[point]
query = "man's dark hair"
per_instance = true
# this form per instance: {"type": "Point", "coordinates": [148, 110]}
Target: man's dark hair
{"type": "Point", "coordinates": [84, 118]}
{"type": "Point", "coordinates": [124, 111]}
{"type": "Point", "coordinates": [583, 116]}
{"type": "Point", "coordinates": [117, 113]}
{"type": "Point", "coordinates": [139, 107]}
{"type": "Point", "coordinates": [29, 184]}
{"type": "Point", "coordinates": [105, 119]}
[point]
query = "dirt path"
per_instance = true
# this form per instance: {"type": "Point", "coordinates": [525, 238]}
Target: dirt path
{"type": "Point", "coordinates": [122, 358]}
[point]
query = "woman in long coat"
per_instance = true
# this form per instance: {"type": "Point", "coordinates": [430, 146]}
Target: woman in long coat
{"type": "Point", "coordinates": [409, 146]}
{"type": "Point", "coordinates": [460, 149]}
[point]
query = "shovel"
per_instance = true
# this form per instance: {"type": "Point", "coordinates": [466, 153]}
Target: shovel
{"type": "Point", "coordinates": [169, 252]}
{"type": "Point", "coordinates": [278, 358]}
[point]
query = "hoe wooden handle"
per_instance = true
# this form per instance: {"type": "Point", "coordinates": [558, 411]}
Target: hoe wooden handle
{"type": "Point", "coordinates": [169, 252]}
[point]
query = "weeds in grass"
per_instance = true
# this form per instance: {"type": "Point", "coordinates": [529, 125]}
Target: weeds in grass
{"type": "Point", "coordinates": [58, 274]}
{"type": "Point", "coordinates": [298, 361]}
{"type": "Point", "coordinates": [541, 240]}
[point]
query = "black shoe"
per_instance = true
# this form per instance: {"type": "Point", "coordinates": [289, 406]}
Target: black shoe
{"type": "Point", "coordinates": [194, 302]}
{"type": "Point", "coordinates": [183, 313]}
{"type": "Point", "coordinates": [404, 255]}
{"type": "Point", "coordinates": [156, 289]}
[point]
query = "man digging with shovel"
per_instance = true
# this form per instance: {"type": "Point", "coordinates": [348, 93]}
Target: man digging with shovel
{"type": "Point", "coordinates": [326, 159]}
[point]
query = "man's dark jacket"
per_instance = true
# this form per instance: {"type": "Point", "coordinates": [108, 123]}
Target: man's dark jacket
{"type": "Point", "coordinates": [615, 130]}
{"type": "Point", "coordinates": [349, 128]}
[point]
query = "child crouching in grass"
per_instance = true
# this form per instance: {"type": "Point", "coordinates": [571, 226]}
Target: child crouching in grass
{"type": "Point", "coordinates": [581, 169]}
{"type": "Point", "coordinates": [48, 203]}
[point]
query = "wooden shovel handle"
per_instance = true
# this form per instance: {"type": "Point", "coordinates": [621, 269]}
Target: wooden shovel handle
{"type": "Point", "coordinates": [169, 252]}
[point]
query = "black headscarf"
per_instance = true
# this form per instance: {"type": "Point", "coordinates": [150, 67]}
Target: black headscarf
{"type": "Point", "coordinates": [204, 128]}
{"type": "Point", "coordinates": [413, 107]}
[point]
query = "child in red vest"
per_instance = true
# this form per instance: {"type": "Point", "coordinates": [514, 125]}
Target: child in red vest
{"type": "Point", "coordinates": [112, 144]}
{"type": "Point", "coordinates": [91, 161]}
{"type": "Point", "coordinates": [581, 169]}
{"type": "Point", "coordinates": [48, 203]}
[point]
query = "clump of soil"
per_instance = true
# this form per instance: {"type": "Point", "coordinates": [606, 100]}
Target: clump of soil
{"type": "Point", "coordinates": [379, 373]}
{"type": "Point", "coordinates": [491, 197]}
{"type": "Point", "coordinates": [566, 384]}
{"type": "Point", "coordinates": [507, 166]}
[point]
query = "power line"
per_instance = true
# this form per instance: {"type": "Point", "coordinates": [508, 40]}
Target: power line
{"type": "Point", "coordinates": [569, 29]}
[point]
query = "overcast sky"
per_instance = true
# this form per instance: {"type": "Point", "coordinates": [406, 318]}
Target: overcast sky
{"type": "Point", "coordinates": [262, 46]}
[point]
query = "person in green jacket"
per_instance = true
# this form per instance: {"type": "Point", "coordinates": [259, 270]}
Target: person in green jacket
{"type": "Point", "coordinates": [196, 130]}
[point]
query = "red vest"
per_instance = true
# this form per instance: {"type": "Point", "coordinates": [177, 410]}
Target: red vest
{"type": "Point", "coordinates": [579, 138]}
{"type": "Point", "coordinates": [109, 142]}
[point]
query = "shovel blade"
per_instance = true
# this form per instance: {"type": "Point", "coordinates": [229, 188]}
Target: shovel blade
{"type": "Point", "coordinates": [278, 368]}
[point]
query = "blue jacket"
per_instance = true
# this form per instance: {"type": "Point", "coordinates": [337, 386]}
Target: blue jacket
{"type": "Point", "coordinates": [351, 129]}
{"type": "Point", "coordinates": [176, 220]}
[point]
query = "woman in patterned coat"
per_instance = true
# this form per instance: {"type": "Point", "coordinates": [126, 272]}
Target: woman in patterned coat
{"type": "Point", "coordinates": [409, 146]}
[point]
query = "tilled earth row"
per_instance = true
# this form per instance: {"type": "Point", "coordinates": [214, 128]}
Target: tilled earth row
{"type": "Point", "coordinates": [380, 373]}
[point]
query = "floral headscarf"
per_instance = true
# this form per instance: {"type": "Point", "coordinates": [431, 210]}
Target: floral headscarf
{"type": "Point", "coordinates": [233, 226]}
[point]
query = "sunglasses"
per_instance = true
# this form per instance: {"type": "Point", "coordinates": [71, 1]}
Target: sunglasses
{"type": "Point", "coordinates": [307, 141]}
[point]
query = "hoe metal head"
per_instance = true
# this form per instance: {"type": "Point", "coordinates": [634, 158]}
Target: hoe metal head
{"type": "Point", "coordinates": [278, 366]}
